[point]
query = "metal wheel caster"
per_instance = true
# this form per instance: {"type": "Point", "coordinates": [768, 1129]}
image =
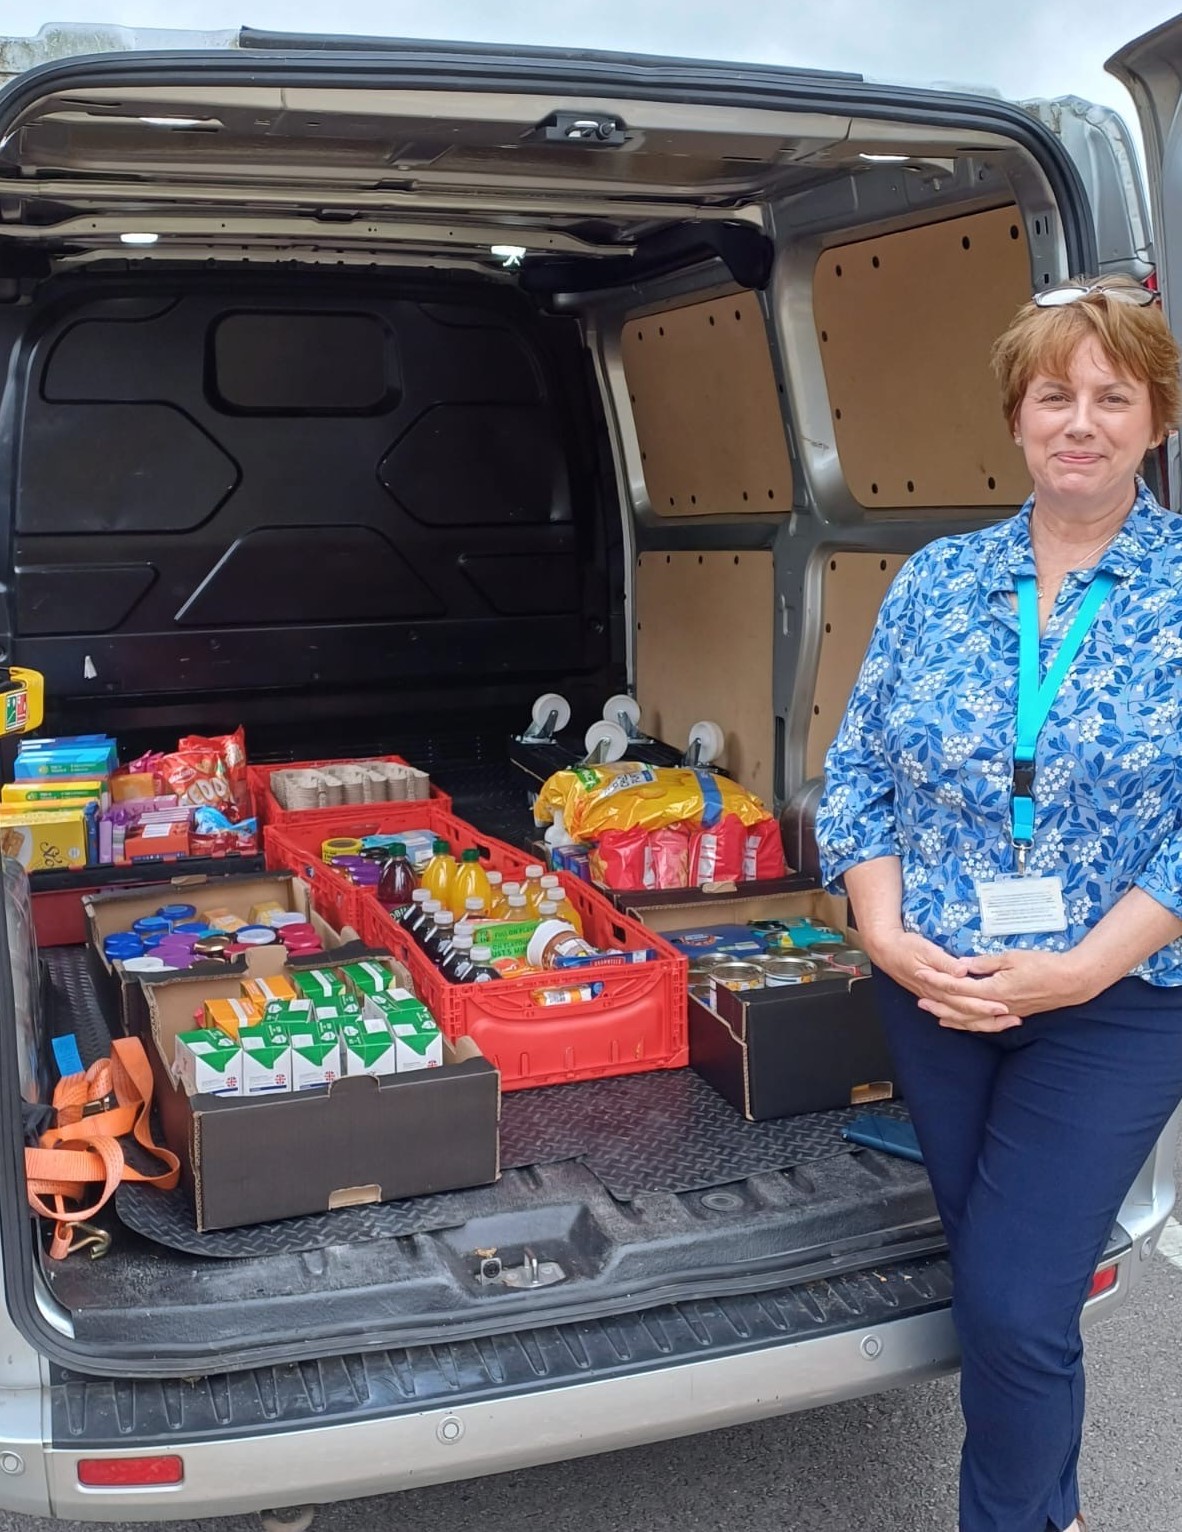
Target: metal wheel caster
{"type": "Point", "coordinates": [549, 716]}
{"type": "Point", "coordinates": [604, 742]}
{"type": "Point", "coordinates": [290, 1518]}
{"type": "Point", "coordinates": [706, 744]}
{"type": "Point", "coordinates": [625, 711]}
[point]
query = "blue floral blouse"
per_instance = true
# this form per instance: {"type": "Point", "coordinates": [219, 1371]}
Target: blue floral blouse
{"type": "Point", "coordinates": [922, 765]}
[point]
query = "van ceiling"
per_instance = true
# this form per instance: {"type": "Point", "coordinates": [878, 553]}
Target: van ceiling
{"type": "Point", "coordinates": [408, 176]}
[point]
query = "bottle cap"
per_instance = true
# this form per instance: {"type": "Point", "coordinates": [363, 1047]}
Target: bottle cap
{"type": "Point", "coordinates": [497, 879]}
{"type": "Point", "coordinates": [445, 918]}
{"type": "Point", "coordinates": [517, 901]}
{"type": "Point", "coordinates": [432, 906]}
{"type": "Point", "coordinates": [421, 896]}
{"type": "Point", "coordinates": [475, 904]}
{"type": "Point", "coordinates": [510, 889]}
{"type": "Point", "coordinates": [397, 848]}
{"type": "Point", "coordinates": [534, 870]}
{"type": "Point", "coordinates": [175, 912]}
{"type": "Point", "coordinates": [482, 954]}
{"type": "Point", "coordinates": [461, 941]}
{"type": "Point", "coordinates": [471, 855]}
{"type": "Point", "coordinates": [547, 909]}
{"type": "Point", "coordinates": [440, 847]}
{"type": "Point", "coordinates": [550, 881]}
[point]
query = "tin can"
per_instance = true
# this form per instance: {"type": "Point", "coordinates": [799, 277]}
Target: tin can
{"type": "Point", "coordinates": [845, 959]}
{"type": "Point", "coordinates": [211, 946]}
{"type": "Point", "coordinates": [790, 970]}
{"type": "Point", "coordinates": [736, 976]}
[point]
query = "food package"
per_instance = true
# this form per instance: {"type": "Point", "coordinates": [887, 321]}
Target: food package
{"type": "Point", "coordinates": [716, 852]}
{"type": "Point", "coordinates": [209, 773]}
{"type": "Point", "coordinates": [764, 853]}
{"type": "Point", "coordinates": [620, 860]}
{"type": "Point", "coordinates": [631, 795]}
{"type": "Point", "coordinates": [669, 851]}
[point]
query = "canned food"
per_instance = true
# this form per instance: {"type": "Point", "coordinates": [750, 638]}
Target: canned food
{"type": "Point", "coordinates": [790, 970]}
{"type": "Point", "coordinates": [211, 946]}
{"type": "Point", "coordinates": [736, 976]}
{"type": "Point", "coordinates": [702, 967]}
{"type": "Point", "coordinates": [846, 959]}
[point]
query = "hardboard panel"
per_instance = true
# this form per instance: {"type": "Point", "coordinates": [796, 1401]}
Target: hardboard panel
{"type": "Point", "coordinates": [704, 633]}
{"type": "Point", "coordinates": [854, 588]}
{"type": "Point", "coordinates": [706, 406]}
{"type": "Point", "coordinates": [905, 323]}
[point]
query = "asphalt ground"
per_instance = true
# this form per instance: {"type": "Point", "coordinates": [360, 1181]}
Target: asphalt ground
{"type": "Point", "coordinates": [884, 1464]}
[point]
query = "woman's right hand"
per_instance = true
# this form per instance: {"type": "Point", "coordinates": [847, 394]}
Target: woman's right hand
{"type": "Point", "coordinates": [902, 955]}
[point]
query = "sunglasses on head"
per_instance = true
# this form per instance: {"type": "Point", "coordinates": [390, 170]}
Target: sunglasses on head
{"type": "Point", "coordinates": [1072, 292]}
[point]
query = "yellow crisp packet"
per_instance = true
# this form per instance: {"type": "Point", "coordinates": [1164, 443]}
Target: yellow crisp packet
{"type": "Point", "coordinates": [629, 795]}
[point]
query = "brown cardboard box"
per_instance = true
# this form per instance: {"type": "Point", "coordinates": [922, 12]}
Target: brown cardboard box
{"type": "Point", "coordinates": [362, 1139]}
{"type": "Point", "coordinates": [119, 993]}
{"type": "Point", "coordinates": [782, 1051]}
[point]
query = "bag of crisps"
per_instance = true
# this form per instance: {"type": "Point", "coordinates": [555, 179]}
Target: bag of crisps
{"type": "Point", "coordinates": [628, 795]}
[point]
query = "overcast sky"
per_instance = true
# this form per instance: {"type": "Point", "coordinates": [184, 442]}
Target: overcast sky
{"type": "Point", "coordinates": [1024, 49]}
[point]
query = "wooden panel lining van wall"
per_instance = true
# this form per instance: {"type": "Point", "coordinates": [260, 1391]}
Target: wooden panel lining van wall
{"type": "Point", "coordinates": [707, 410]}
{"type": "Point", "coordinates": [705, 625]}
{"type": "Point", "coordinates": [855, 585]}
{"type": "Point", "coordinates": [905, 323]}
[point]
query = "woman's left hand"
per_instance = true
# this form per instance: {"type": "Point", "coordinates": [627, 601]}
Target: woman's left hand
{"type": "Point", "coordinates": [1025, 982]}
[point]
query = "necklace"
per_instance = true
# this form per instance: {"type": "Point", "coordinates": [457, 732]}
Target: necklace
{"type": "Point", "coordinates": [1099, 548]}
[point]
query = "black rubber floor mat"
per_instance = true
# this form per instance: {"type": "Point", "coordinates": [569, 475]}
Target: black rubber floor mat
{"type": "Point", "coordinates": [653, 1133]}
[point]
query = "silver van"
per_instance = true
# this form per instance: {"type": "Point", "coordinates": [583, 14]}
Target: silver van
{"type": "Point", "coordinates": [360, 390]}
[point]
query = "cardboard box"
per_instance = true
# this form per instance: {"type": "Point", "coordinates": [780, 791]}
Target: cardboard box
{"type": "Point", "coordinates": [782, 1051]}
{"type": "Point", "coordinates": [363, 1139]}
{"type": "Point", "coordinates": [44, 839]}
{"type": "Point", "coordinates": [120, 995]}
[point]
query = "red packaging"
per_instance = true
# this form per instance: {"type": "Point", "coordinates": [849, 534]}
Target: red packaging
{"type": "Point", "coordinates": [669, 851]}
{"type": "Point", "coordinates": [620, 859]}
{"type": "Point", "coordinates": [764, 853]}
{"type": "Point", "coordinates": [716, 854]}
{"type": "Point", "coordinates": [209, 773]}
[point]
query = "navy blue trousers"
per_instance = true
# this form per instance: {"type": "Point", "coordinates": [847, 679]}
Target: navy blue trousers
{"type": "Point", "coordinates": [1032, 1138]}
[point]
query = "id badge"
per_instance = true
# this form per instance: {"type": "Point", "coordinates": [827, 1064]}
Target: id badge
{"type": "Point", "coordinates": [1022, 906]}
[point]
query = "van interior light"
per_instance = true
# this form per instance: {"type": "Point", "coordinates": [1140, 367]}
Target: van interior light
{"type": "Point", "coordinates": [174, 122]}
{"type": "Point", "coordinates": [885, 159]}
{"type": "Point", "coordinates": [139, 239]}
{"type": "Point", "coordinates": [508, 255]}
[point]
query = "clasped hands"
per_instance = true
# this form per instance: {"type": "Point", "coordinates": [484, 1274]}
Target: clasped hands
{"type": "Point", "coordinates": [980, 994]}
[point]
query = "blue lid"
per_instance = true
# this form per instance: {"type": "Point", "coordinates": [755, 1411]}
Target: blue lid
{"type": "Point", "coordinates": [123, 944]}
{"type": "Point", "coordinates": [149, 924]}
{"type": "Point", "coordinates": [192, 928]}
{"type": "Point", "coordinates": [175, 912]}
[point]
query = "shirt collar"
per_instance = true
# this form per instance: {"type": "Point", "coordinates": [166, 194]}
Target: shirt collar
{"type": "Point", "coordinates": [1009, 552]}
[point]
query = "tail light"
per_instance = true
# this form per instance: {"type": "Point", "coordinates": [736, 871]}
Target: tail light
{"type": "Point", "coordinates": [126, 1473]}
{"type": "Point", "coordinates": [1103, 1281]}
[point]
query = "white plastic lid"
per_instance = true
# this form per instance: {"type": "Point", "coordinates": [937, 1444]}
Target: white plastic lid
{"type": "Point", "coordinates": [445, 918]}
{"type": "Point", "coordinates": [534, 870]}
{"type": "Point", "coordinates": [543, 936]}
{"type": "Point", "coordinates": [517, 901]}
{"type": "Point", "coordinates": [494, 877]}
{"type": "Point", "coordinates": [145, 964]}
{"type": "Point", "coordinates": [421, 896]}
{"type": "Point", "coordinates": [482, 954]}
{"type": "Point", "coordinates": [461, 942]}
{"type": "Point", "coordinates": [551, 881]}
{"type": "Point", "coordinates": [547, 909]}
{"type": "Point", "coordinates": [510, 888]}
{"type": "Point", "coordinates": [476, 904]}
{"type": "Point", "coordinates": [432, 906]}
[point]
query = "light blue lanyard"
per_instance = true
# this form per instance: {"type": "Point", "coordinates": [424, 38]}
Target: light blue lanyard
{"type": "Point", "coordinates": [1036, 699]}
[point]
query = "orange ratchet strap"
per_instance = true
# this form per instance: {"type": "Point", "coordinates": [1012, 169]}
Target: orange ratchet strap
{"type": "Point", "coordinates": [82, 1156]}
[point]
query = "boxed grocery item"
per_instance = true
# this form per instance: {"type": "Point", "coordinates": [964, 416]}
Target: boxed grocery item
{"type": "Point", "coordinates": [367, 1047]}
{"type": "Point", "coordinates": [783, 1050]}
{"type": "Point", "coordinates": [357, 1139]}
{"type": "Point", "coordinates": [266, 1059]}
{"type": "Point", "coordinates": [210, 1062]}
{"type": "Point", "coordinates": [43, 838]}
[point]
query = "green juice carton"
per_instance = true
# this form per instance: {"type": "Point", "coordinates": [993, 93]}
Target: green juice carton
{"type": "Point", "coordinates": [266, 1059]}
{"type": "Point", "coordinates": [209, 1062]}
{"type": "Point", "coordinates": [367, 1048]}
{"type": "Point", "coordinates": [506, 938]}
{"type": "Point", "coordinates": [417, 1046]}
{"type": "Point", "coordinates": [339, 1010]}
{"type": "Point", "coordinates": [398, 1006]}
{"type": "Point", "coordinates": [315, 1053]}
{"type": "Point", "coordinates": [319, 984]}
{"type": "Point", "coordinates": [367, 978]}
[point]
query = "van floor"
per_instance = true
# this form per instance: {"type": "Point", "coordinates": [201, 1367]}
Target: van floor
{"type": "Point", "coordinates": [649, 1182]}
{"type": "Point", "coordinates": [629, 1191]}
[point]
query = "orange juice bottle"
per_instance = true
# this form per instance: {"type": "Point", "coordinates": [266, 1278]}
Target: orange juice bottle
{"type": "Point", "coordinates": [470, 882]}
{"type": "Point", "coordinates": [566, 911]}
{"type": "Point", "coordinates": [532, 887]}
{"type": "Point", "coordinates": [439, 873]}
{"type": "Point", "coordinates": [498, 902]}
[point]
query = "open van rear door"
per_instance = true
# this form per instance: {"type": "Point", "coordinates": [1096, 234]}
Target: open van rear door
{"type": "Point", "coordinates": [1151, 70]}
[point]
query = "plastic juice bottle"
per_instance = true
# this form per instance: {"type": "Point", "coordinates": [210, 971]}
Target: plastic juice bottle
{"type": "Point", "coordinates": [496, 882]}
{"type": "Point", "coordinates": [470, 882]}
{"type": "Point", "coordinates": [482, 968]}
{"type": "Point", "coordinates": [566, 910]}
{"type": "Point", "coordinates": [547, 910]}
{"type": "Point", "coordinates": [412, 916]}
{"type": "Point", "coordinates": [398, 882]}
{"type": "Point", "coordinates": [456, 967]}
{"type": "Point", "coordinates": [440, 872]}
{"type": "Point", "coordinates": [439, 939]}
{"type": "Point", "coordinates": [474, 912]}
{"type": "Point", "coordinates": [421, 929]}
{"type": "Point", "coordinates": [532, 890]}
{"type": "Point", "coordinates": [518, 909]}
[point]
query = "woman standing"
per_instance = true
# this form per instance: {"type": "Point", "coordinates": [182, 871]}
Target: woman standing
{"type": "Point", "coordinates": [1004, 807]}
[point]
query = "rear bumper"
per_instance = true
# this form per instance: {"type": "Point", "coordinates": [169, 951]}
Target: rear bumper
{"type": "Point", "coordinates": [439, 1445]}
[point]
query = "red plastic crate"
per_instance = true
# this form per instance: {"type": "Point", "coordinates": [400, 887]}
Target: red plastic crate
{"type": "Point", "coordinates": [637, 1023]}
{"type": "Point", "coordinates": [271, 812]}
